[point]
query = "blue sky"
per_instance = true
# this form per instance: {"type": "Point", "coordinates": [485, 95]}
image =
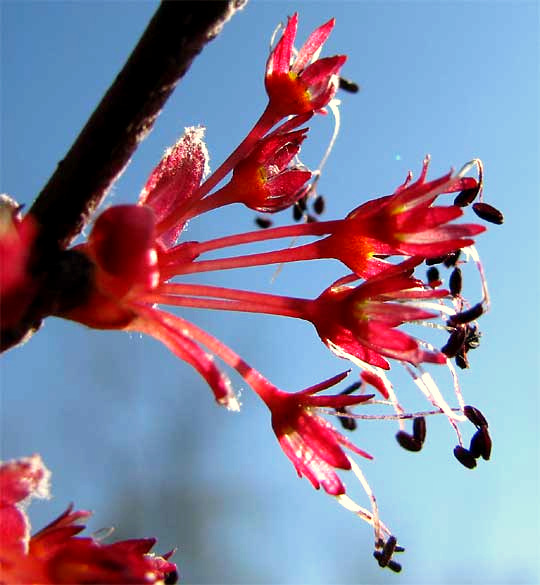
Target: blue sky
{"type": "Point", "coordinates": [133, 434]}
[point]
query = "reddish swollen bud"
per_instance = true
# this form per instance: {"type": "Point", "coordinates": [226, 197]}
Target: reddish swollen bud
{"type": "Point", "coordinates": [122, 244]}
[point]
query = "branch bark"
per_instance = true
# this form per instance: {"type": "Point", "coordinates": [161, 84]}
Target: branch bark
{"type": "Point", "coordinates": [177, 33]}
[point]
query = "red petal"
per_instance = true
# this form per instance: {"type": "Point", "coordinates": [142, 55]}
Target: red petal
{"type": "Point", "coordinates": [322, 70]}
{"type": "Point", "coordinates": [317, 471]}
{"type": "Point", "coordinates": [376, 382]}
{"type": "Point", "coordinates": [348, 344]}
{"type": "Point", "coordinates": [279, 60]}
{"type": "Point", "coordinates": [288, 183]}
{"type": "Point", "coordinates": [417, 220]}
{"type": "Point", "coordinates": [447, 232]}
{"type": "Point", "coordinates": [339, 401]}
{"type": "Point", "coordinates": [313, 43]}
{"type": "Point", "coordinates": [386, 340]}
{"type": "Point", "coordinates": [313, 429]}
{"type": "Point", "coordinates": [395, 314]}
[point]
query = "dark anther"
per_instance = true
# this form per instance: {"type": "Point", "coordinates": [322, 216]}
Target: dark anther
{"type": "Point", "coordinates": [348, 423]}
{"type": "Point", "coordinates": [488, 213]}
{"type": "Point", "coordinates": [302, 203]}
{"type": "Point", "coordinates": [171, 578]}
{"type": "Point", "coordinates": [433, 275]}
{"type": "Point", "coordinates": [352, 388]}
{"type": "Point", "coordinates": [481, 444]}
{"type": "Point", "coordinates": [455, 342]}
{"type": "Point", "coordinates": [462, 361]}
{"type": "Point", "coordinates": [348, 85]}
{"type": "Point", "coordinates": [472, 337]}
{"type": "Point", "coordinates": [297, 213]}
{"type": "Point", "coordinates": [419, 429]}
{"type": "Point", "coordinates": [452, 258]}
{"type": "Point", "coordinates": [437, 260]}
{"type": "Point", "coordinates": [310, 218]}
{"type": "Point", "coordinates": [475, 416]}
{"type": "Point", "coordinates": [467, 196]}
{"type": "Point", "coordinates": [263, 222]}
{"type": "Point", "coordinates": [408, 442]}
{"type": "Point", "coordinates": [466, 316]}
{"type": "Point", "coordinates": [465, 457]}
{"type": "Point", "coordinates": [384, 556]}
{"type": "Point", "coordinates": [389, 547]}
{"type": "Point", "coordinates": [455, 282]}
{"type": "Point", "coordinates": [319, 205]}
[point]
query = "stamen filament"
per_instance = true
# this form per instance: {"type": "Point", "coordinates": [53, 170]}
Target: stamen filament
{"type": "Point", "coordinates": [392, 417]}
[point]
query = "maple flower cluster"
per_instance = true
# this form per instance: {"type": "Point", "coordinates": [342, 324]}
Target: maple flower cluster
{"type": "Point", "coordinates": [136, 256]}
{"type": "Point", "coordinates": [55, 554]}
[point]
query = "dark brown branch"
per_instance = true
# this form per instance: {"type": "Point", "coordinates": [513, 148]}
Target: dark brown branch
{"type": "Point", "coordinates": [176, 34]}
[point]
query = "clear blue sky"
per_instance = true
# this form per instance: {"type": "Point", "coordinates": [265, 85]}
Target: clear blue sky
{"type": "Point", "coordinates": [132, 433]}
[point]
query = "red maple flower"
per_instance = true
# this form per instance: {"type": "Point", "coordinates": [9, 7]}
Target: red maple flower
{"type": "Point", "coordinates": [305, 83]}
{"type": "Point", "coordinates": [404, 223]}
{"type": "Point", "coordinates": [313, 445]}
{"type": "Point", "coordinates": [55, 554]}
{"type": "Point", "coordinates": [361, 322]}
{"type": "Point", "coordinates": [265, 180]}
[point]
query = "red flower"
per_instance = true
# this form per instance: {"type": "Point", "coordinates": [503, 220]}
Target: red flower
{"type": "Point", "coordinates": [405, 223]}
{"type": "Point", "coordinates": [303, 85]}
{"type": "Point", "coordinates": [55, 554]}
{"type": "Point", "coordinates": [313, 445]}
{"type": "Point", "coordinates": [360, 322]}
{"type": "Point", "coordinates": [264, 180]}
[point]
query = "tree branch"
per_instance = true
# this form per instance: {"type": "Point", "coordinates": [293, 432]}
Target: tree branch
{"type": "Point", "coordinates": [177, 33]}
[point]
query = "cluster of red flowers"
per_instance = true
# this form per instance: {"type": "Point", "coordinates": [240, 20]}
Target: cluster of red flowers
{"type": "Point", "coordinates": [134, 253]}
{"type": "Point", "coordinates": [55, 554]}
